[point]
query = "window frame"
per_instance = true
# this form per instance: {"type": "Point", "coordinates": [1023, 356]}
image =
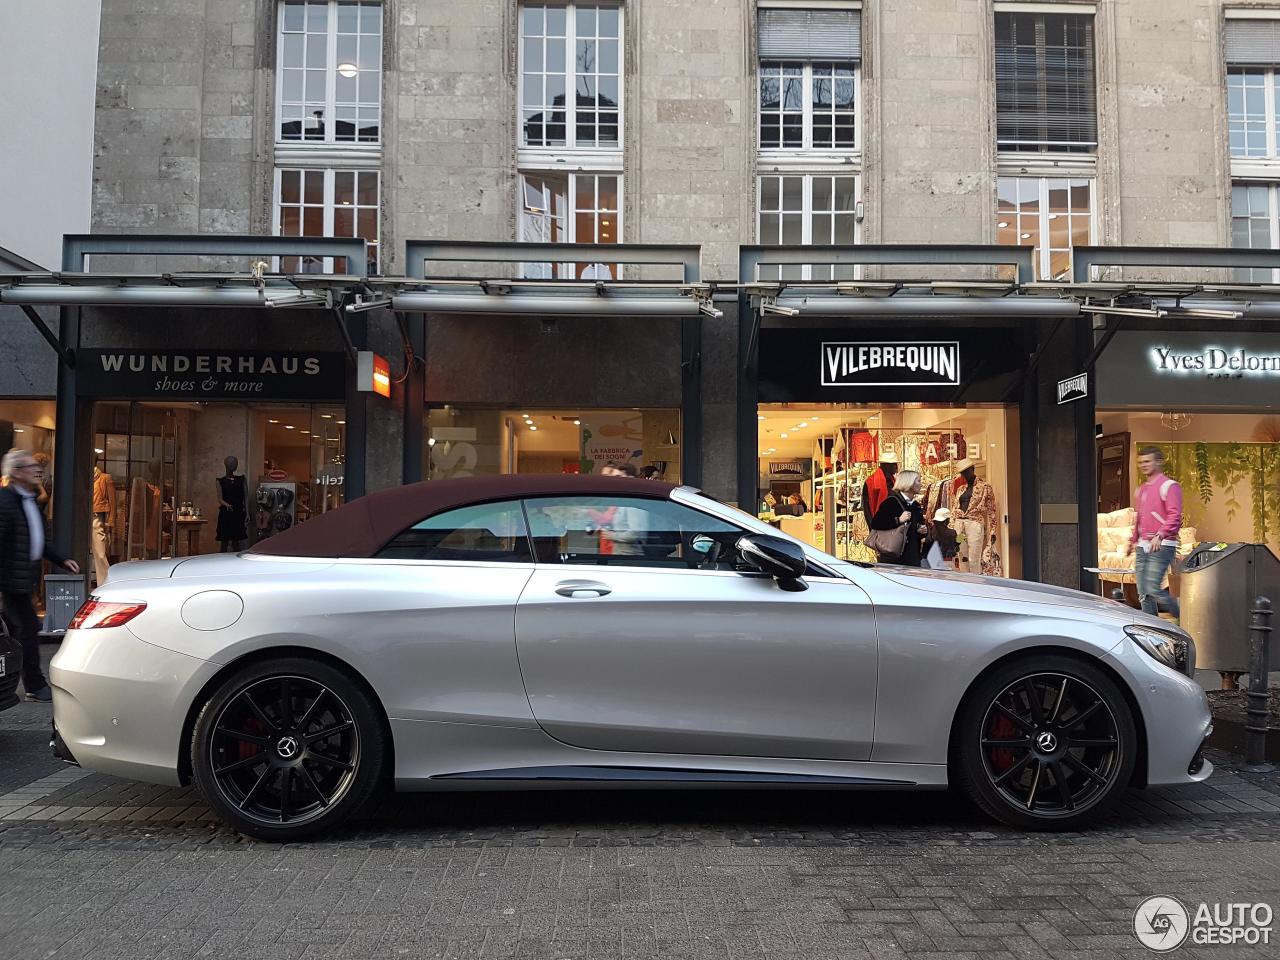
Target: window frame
{"type": "Point", "coordinates": [1044, 252]}
{"type": "Point", "coordinates": [516, 502]}
{"type": "Point", "coordinates": [571, 215]}
{"type": "Point", "coordinates": [331, 73]}
{"type": "Point", "coordinates": [738, 529]}
{"type": "Point", "coordinates": [330, 208]}
{"type": "Point", "coordinates": [807, 152]}
{"type": "Point", "coordinates": [1273, 223]}
{"type": "Point", "coordinates": [555, 157]}
{"type": "Point", "coordinates": [807, 210]}
{"type": "Point", "coordinates": [1041, 152]}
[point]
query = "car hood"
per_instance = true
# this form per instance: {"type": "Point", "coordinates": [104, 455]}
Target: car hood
{"type": "Point", "coordinates": [997, 588]}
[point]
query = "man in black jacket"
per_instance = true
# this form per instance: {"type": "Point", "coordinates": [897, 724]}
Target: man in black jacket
{"type": "Point", "coordinates": [24, 543]}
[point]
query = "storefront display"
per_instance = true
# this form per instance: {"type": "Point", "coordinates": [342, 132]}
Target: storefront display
{"type": "Point", "coordinates": [1210, 403]}
{"type": "Point", "coordinates": [465, 441]}
{"type": "Point", "coordinates": [855, 452]}
{"type": "Point", "coordinates": [162, 473]}
{"type": "Point", "coordinates": [863, 404]}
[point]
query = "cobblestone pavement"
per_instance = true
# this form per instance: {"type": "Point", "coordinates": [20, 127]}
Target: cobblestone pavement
{"type": "Point", "coordinates": [91, 866]}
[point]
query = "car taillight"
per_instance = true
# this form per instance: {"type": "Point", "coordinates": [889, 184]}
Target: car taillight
{"type": "Point", "coordinates": [103, 613]}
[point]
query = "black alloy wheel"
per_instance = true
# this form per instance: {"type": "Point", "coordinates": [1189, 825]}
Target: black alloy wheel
{"type": "Point", "coordinates": [287, 749]}
{"type": "Point", "coordinates": [1046, 743]}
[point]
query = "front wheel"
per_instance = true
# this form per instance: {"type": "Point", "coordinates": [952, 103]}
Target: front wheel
{"type": "Point", "coordinates": [1045, 743]}
{"type": "Point", "coordinates": [287, 749]}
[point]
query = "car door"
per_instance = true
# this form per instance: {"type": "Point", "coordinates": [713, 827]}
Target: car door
{"type": "Point", "coordinates": [637, 633]}
{"type": "Point", "coordinates": [436, 614]}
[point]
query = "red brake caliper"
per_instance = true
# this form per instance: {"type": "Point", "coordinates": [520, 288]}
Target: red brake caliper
{"type": "Point", "coordinates": [1001, 728]}
{"type": "Point", "coordinates": [246, 749]}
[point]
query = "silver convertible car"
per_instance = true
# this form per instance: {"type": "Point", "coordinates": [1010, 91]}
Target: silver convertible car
{"type": "Point", "coordinates": [509, 632]}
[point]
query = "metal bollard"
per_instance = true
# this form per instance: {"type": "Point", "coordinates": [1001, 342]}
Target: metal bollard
{"type": "Point", "coordinates": [1255, 724]}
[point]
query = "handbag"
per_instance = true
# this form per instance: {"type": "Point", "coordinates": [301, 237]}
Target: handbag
{"type": "Point", "coordinates": [888, 544]}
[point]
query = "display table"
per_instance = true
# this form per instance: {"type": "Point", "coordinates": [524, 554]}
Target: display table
{"type": "Point", "coordinates": [193, 527]}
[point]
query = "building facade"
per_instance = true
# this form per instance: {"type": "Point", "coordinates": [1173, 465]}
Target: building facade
{"type": "Point", "coordinates": [719, 123]}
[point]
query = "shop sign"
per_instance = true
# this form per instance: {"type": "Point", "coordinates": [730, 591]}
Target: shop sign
{"type": "Point", "coordinates": [211, 374]}
{"type": "Point", "coordinates": [1073, 388]}
{"type": "Point", "coordinates": [790, 469]}
{"type": "Point", "coordinates": [1215, 363]}
{"type": "Point", "coordinates": [891, 364]}
{"type": "Point", "coordinates": [1188, 370]}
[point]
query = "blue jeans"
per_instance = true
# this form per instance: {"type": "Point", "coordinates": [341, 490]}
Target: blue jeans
{"type": "Point", "coordinates": [1149, 570]}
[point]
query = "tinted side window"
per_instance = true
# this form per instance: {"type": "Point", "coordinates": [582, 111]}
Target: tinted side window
{"type": "Point", "coordinates": [490, 531]}
{"type": "Point", "coordinates": [629, 531]}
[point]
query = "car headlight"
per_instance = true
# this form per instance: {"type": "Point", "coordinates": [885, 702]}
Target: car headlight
{"type": "Point", "coordinates": [1169, 649]}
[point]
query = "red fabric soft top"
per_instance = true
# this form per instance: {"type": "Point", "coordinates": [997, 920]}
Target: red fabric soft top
{"type": "Point", "coordinates": [361, 528]}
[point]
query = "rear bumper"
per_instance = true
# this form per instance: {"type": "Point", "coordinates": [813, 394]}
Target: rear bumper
{"type": "Point", "coordinates": [120, 705]}
{"type": "Point", "coordinates": [59, 748]}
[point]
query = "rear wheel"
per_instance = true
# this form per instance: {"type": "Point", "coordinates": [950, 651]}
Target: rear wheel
{"type": "Point", "coordinates": [287, 749]}
{"type": "Point", "coordinates": [1045, 743]}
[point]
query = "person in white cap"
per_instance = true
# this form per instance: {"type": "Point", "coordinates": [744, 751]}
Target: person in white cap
{"type": "Point", "coordinates": [944, 537]}
{"type": "Point", "coordinates": [877, 486]}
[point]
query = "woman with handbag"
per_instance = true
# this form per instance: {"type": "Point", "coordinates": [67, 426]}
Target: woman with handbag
{"type": "Point", "coordinates": [898, 527]}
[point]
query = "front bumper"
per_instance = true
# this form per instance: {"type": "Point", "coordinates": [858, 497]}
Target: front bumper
{"type": "Point", "coordinates": [1175, 713]}
{"type": "Point", "coordinates": [120, 705]}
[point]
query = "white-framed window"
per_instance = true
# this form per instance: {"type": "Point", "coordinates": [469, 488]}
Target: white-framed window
{"type": "Point", "coordinates": [1252, 54]}
{"type": "Point", "coordinates": [807, 208]}
{"type": "Point", "coordinates": [1046, 83]}
{"type": "Point", "coordinates": [571, 208]}
{"type": "Point", "coordinates": [1255, 224]}
{"type": "Point", "coordinates": [1051, 214]}
{"type": "Point", "coordinates": [312, 202]}
{"type": "Point", "coordinates": [571, 76]}
{"type": "Point", "coordinates": [808, 62]}
{"type": "Point", "coordinates": [808, 106]}
{"type": "Point", "coordinates": [329, 71]}
{"type": "Point", "coordinates": [1251, 111]}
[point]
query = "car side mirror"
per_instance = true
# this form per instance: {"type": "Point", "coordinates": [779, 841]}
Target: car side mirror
{"type": "Point", "coordinates": [780, 559]}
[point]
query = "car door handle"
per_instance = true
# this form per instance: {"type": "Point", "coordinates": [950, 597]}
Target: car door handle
{"type": "Point", "coordinates": [577, 589]}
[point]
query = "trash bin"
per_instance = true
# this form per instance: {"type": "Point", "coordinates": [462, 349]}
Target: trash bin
{"type": "Point", "coordinates": [1219, 584]}
{"type": "Point", "coordinates": [63, 595]}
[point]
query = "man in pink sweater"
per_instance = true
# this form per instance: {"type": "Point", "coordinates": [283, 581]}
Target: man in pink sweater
{"type": "Point", "coordinates": [1158, 504]}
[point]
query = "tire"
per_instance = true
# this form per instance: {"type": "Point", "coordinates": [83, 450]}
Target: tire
{"type": "Point", "coordinates": [288, 749]}
{"type": "Point", "coordinates": [1045, 743]}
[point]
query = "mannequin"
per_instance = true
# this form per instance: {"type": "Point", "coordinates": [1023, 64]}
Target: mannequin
{"type": "Point", "coordinates": [973, 516]}
{"type": "Point", "coordinates": [232, 518]}
{"type": "Point", "coordinates": [103, 522]}
{"type": "Point", "coordinates": [877, 486]}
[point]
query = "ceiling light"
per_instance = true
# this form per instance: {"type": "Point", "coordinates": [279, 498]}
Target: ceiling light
{"type": "Point", "coordinates": [1025, 236]}
{"type": "Point", "coordinates": [273, 421]}
{"type": "Point", "coordinates": [289, 426]}
{"type": "Point", "coordinates": [760, 416]}
{"type": "Point", "coordinates": [348, 70]}
{"type": "Point", "coordinates": [19, 430]}
{"type": "Point", "coordinates": [326, 416]}
{"type": "Point", "coordinates": [783, 436]}
{"type": "Point", "coordinates": [1053, 216]}
{"type": "Point", "coordinates": [577, 422]}
{"type": "Point", "coordinates": [803, 424]}
{"type": "Point", "coordinates": [98, 450]}
{"type": "Point", "coordinates": [773, 449]}
{"type": "Point", "coordinates": [308, 432]}
{"type": "Point", "coordinates": [532, 427]}
{"type": "Point", "coordinates": [341, 422]}
{"type": "Point", "coordinates": [1003, 223]}
{"type": "Point", "coordinates": [431, 441]}
{"type": "Point", "coordinates": [604, 223]}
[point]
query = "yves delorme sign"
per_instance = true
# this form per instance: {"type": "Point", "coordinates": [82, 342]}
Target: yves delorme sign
{"type": "Point", "coordinates": [211, 374]}
{"type": "Point", "coordinates": [1215, 362]}
{"type": "Point", "coordinates": [1187, 370]}
{"type": "Point", "coordinates": [891, 363]}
